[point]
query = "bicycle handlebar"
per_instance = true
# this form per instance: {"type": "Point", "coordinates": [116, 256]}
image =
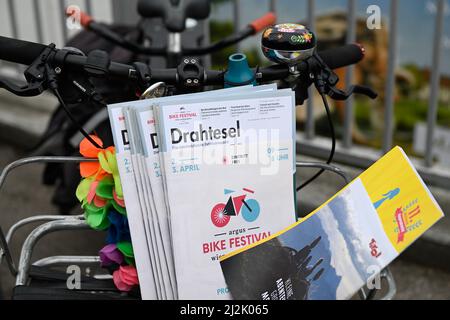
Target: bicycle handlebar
{"type": "Point", "coordinates": [19, 51]}
{"type": "Point", "coordinates": [25, 52]}
{"type": "Point", "coordinates": [252, 28]}
{"type": "Point", "coordinates": [263, 22]}
{"type": "Point", "coordinates": [258, 24]}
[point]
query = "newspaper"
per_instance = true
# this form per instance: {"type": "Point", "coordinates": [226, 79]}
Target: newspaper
{"type": "Point", "coordinates": [228, 168]}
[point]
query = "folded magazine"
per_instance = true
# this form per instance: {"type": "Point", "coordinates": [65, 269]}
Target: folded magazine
{"type": "Point", "coordinates": [342, 245]}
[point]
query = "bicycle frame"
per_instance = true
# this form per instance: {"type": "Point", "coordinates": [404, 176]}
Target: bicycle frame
{"type": "Point", "coordinates": [173, 49]}
{"type": "Point", "coordinates": [4, 241]}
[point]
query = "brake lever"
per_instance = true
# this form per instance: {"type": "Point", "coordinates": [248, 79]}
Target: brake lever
{"type": "Point", "coordinates": [325, 80]}
{"type": "Point", "coordinates": [35, 75]}
{"type": "Point", "coordinates": [27, 90]}
{"type": "Point", "coordinates": [337, 94]}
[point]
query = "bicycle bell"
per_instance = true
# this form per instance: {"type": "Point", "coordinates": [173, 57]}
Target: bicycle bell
{"type": "Point", "coordinates": [288, 43]}
{"type": "Point", "coordinates": [156, 90]}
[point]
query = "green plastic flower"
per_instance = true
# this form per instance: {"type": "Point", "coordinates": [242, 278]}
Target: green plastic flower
{"type": "Point", "coordinates": [108, 162]}
{"type": "Point", "coordinates": [97, 217]}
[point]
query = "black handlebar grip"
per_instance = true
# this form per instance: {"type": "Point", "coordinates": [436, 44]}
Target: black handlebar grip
{"type": "Point", "coordinates": [19, 51]}
{"type": "Point", "coordinates": [342, 56]}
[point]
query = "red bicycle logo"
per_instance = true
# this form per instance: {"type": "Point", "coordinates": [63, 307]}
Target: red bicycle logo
{"type": "Point", "coordinates": [221, 213]}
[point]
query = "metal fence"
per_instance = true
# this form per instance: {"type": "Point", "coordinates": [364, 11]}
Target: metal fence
{"type": "Point", "coordinates": [347, 153]}
{"type": "Point", "coordinates": [309, 143]}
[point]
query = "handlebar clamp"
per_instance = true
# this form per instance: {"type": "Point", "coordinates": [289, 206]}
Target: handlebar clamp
{"type": "Point", "coordinates": [191, 74]}
{"type": "Point", "coordinates": [143, 74]}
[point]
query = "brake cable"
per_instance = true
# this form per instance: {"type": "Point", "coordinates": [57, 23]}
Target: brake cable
{"type": "Point", "coordinates": [325, 80]}
{"type": "Point", "coordinates": [53, 85]}
{"type": "Point", "coordinates": [333, 143]}
{"type": "Point", "coordinates": [74, 121]}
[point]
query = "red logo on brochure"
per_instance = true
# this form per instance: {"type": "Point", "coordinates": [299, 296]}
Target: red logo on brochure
{"type": "Point", "coordinates": [405, 219]}
{"type": "Point", "coordinates": [374, 250]}
{"type": "Point", "coordinates": [249, 209]}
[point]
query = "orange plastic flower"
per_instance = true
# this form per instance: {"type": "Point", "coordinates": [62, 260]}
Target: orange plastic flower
{"type": "Point", "coordinates": [88, 150]}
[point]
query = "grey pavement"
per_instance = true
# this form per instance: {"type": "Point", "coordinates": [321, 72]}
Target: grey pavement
{"type": "Point", "coordinates": [415, 281]}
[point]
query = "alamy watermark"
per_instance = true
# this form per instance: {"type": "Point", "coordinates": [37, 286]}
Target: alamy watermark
{"type": "Point", "coordinates": [208, 146]}
{"type": "Point", "coordinates": [73, 281]}
{"type": "Point", "coordinates": [373, 21]}
{"type": "Point", "coordinates": [374, 279]}
{"type": "Point", "coordinates": [73, 20]}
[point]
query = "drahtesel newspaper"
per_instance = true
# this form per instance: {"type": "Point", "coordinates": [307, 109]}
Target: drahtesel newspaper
{"type": "Point", "coordinates": [228, 166]}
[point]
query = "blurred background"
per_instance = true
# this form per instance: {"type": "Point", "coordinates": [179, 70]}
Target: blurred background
{"type": "Point", "coordinates": [407, 62]}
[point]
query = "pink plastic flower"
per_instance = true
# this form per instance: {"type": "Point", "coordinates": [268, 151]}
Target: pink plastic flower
{"type": "Point", "coordinates": [125, 278]}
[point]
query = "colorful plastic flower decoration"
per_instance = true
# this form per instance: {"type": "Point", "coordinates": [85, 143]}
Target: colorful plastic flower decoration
{"type": "Point", "coordinates": [100, 190]}
{"type": "Point", "coordinates": [101, 197]}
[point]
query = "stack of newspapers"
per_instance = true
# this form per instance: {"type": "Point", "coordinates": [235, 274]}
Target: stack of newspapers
{"type": "Point", "coordinates": [203, 175]}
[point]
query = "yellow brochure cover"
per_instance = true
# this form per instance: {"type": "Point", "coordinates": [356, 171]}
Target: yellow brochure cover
{"type": "Point", "coordinates": [338, 248]}
{"type": "Point", "coordinates": [403, 202]}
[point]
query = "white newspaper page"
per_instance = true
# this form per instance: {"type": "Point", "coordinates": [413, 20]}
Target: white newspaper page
{"type": "Point", "coordinates": [148, 134]}
{"type": "Point", "coordinates": [144, 263]}
{"type": "Point", "coordinates": [145, 196]}
{"type": "Point", "coordinates": [228, 170]}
